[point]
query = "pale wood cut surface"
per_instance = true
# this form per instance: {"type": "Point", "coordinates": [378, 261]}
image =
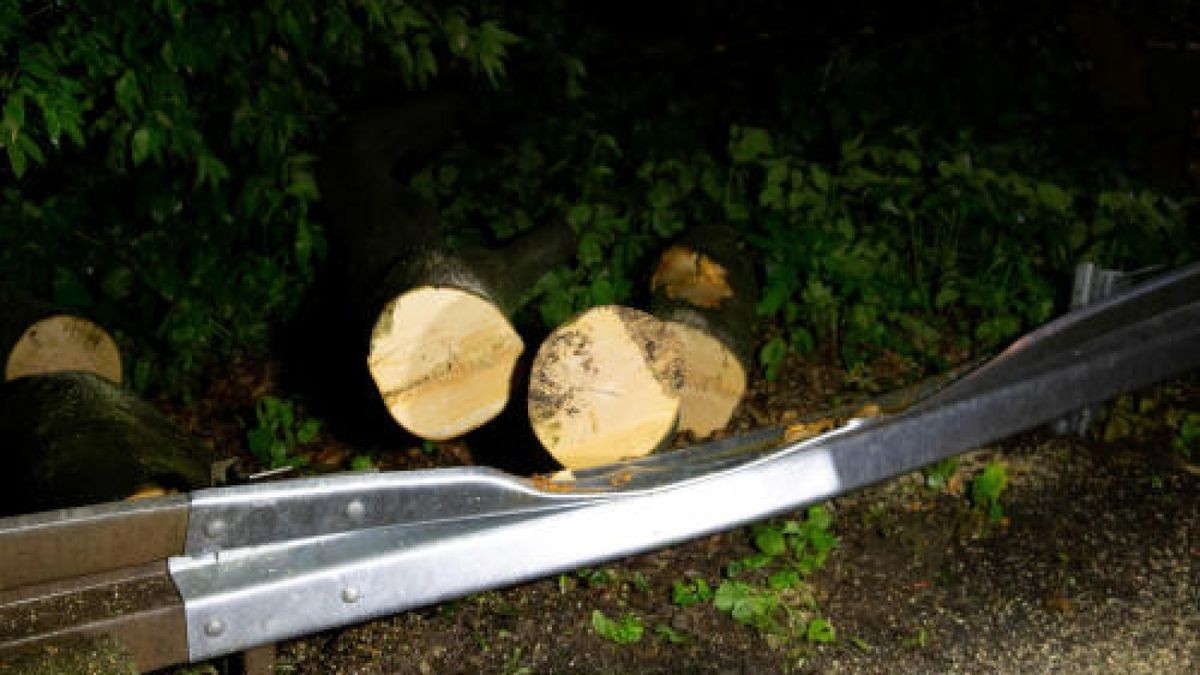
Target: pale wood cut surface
{"type": "Point", "coordinates": [443, 359]}
{"type": "Point", "coordinates": [63, 343]}
{"type": "Point", "coordinates": [605, 387]}
{"type": "Point", "coordinates": [713, 381]}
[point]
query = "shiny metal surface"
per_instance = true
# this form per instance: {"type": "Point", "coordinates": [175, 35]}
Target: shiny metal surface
{"type": "Point", "coordinates": [250, 515]}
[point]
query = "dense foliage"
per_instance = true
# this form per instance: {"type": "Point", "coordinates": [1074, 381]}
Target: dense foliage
{"type": "Point", "coordinates": [160, 161]}
{"type": "Point", "coordinates": [160, 154]}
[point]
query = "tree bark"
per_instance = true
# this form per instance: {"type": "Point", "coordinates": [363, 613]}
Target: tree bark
{"type": "Point", "coordinates": [605, 387]}
{"type": "Point", "coordinates": [36, 338]}
{"type": "Point", "coordinates": [75, 438]}
{"type": "Point", "coordinates": [441, 349]}
{"type": "Point", "coordinates": [704, 288]}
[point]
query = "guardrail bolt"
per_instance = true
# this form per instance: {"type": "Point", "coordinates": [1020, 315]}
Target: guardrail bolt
{"type": "Point", "coordinates": [215, 528]}
{"type": "Point", "coordinates": [214, 627]}
{"type": "Point", "coordinates": [356, 510]}
{"type": "Point", "coordinates": [351, 594]}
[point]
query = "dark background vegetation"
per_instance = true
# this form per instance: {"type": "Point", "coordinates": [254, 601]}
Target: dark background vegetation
{"type": "Point", "coordinates": [913, 178]}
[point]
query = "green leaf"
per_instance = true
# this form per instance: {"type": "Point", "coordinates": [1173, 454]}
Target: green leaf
{"type": "Point", "coordinates": [783, 579]}
{"type": "Point", "coordinates": [749, 144]}
{"type": "Point", "coordinates": [556, 307]}
{"type": "Point", "coordinates": [140, 145]}
{"type": "Point", "coordinates": [688, 594]}
{"type": "Point", "coordinates": [818, 518]}
{"type": "Point", "coordinates": [769, 540]}
{"type": "Point", "coordinates": [772, 355]}
{"type": "Point", "coordinates": [210, 170]}
{"type": "Point", "coordinates": [591, 250]}
{"type": "Point", "coordinates": [820, 631]}
{"type": "Point", "coordinates": [362, 463]}
{"type": "Point", "coordinates": [127, 94]}
{"type": "Point", "coordinates": [14, 114]}
{"type": "Point", "coordinates": [603, 292]}
{"type": "Point", "coordinates": [53, 125]}
{"type": "Point", "coordinates": [457, 32]}
{"type": "Point", "coordinates": [303, 246]}
{"type": "Point", "coordinates": [946, 296]}
{"type": "Point", "coordinates": [745, 603]}
{"type": "Point", "coordinates": [176, 10]}
{"type": "Point", "coordinates": [308, 431]}
{"type": "Point", "coordinates": [1053, 197]}
{"type": "Point", "coordinates": [987, 487]}
{"type": "Point", "coordinates": [820, 178]}
{"type": "Point", "coordinates": [259, 441]}
{"type": "Point", "coordinates": [579, 215]}
{"type": "Point", "coordinates": [16, 159]}
{"type": "Point", "coordinates": [624, 631]}
{"type": "Point", "coordinates": [30, 148]}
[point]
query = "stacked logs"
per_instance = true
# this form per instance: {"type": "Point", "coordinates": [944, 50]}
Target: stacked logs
{"type": "Point", "coordinates": [612, 383]}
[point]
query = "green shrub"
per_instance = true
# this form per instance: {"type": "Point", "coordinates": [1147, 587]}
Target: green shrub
{"type": "Point", "coordinates": [160, 157]}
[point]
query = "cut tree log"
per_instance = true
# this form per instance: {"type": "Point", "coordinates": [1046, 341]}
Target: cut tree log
{"type": "Point", "coordinates": [76, 438]}
{"type": "Point", "coordinates": [36, 338]}
{"type": "Point", "coordinates": [605, 387]}
{"type": "Point", "coordinates": [704, 288]}
{"type": "Point", "coordinates": [441, 349]}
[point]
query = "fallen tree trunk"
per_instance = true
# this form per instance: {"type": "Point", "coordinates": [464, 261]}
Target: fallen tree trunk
{"type": "Point", "coordinates": [605, 387]}
{"type": "Point", "coordinates": [76, 438]}
{"type": "Point", "coordinates": [441, 350]}
{"type": "Point", "coordinates": [36, 338]}
{"type": "Point", "coordinates": [704, 288]}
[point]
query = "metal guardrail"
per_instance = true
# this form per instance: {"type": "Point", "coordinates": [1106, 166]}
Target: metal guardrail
{"type": "Point", "coordinates": [262, 563]}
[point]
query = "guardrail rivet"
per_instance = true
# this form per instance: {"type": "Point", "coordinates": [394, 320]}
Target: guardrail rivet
{"type": "Point", "coordinates": [356, 510]}
{"type": "Point", "coordinates": [351, 594]}
{"type": "Point", "coordinates": [214, 627]}
{"type": "Point", "coordinates": [215, 528]}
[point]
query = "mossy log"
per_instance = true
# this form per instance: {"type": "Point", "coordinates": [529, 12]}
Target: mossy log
{"type": "Point", "coordinates": [36, 338]}
{"type": "Point", "coordinates": [76, 438]}
{"type": "Point", "coordinates": [605, 387]}
{"type": "Point", "coordinates": [441, 349]}
{"type": "Point", "coordinates": [704, 288]}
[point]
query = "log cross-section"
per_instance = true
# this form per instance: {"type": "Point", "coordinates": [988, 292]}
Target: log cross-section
{"type": "Point", "coordinates": [37, 338]}
{"type": "Point", "coordinates": [704, 289]}
{"type": "Point", "coordinates": [605, 387]}
{"type": "Point", "coordinates": [441, 349]}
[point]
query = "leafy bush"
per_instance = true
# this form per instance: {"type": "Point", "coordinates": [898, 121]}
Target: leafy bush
{"type": "Point", "coordinates": [280, 432]}
{"type": "Point", "coordinates": [160, 154]}
{"type": "Point", "coordinates": [899, 242]}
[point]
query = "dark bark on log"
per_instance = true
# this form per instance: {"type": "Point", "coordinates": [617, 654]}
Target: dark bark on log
{"type": "Point", "coordinates": [35, 337]}
{"type": "Point", "coordinates": [705, 283]}
{"type": "Point", "coordinates": [75, 438]}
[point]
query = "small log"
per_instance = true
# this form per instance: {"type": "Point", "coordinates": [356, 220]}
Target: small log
{"type": "Point", "coordinates": [75, 438]}
{"type": "Point", "coordinates": [36, 338]}
{"type": "Point", "coordinates": [704, 288]}
{"type": "Point", "coordinates": [441, 349]}
{"type": "Point", "coordinates": [605, 387]}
